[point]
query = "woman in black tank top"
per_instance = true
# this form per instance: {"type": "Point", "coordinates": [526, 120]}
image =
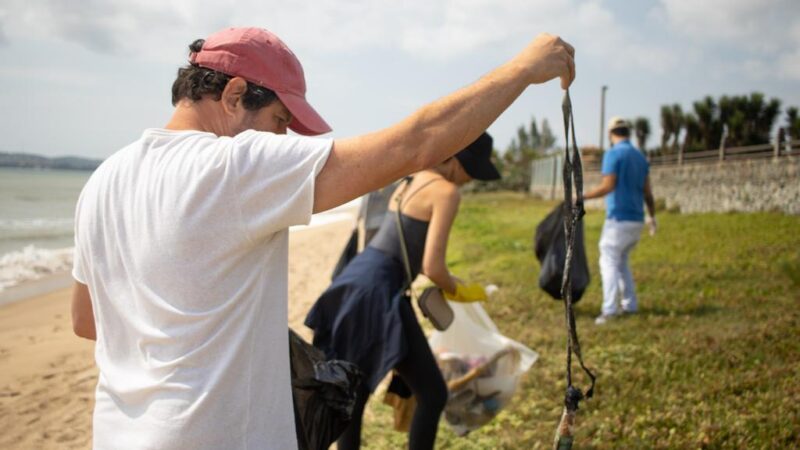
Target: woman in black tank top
{"type": "Point", "coordinates": [363, 316]}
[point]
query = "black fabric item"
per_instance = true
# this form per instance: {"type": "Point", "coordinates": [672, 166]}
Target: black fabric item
{"type": "Point", "coordinates": [418, 375]}
{"type": "Point", "coordinates": [549, 245]}
{"type": "Point", "coordinates": [357, 318]}
{"type": "Point", "coordinates": [324, 394]}
{"type": "Point", "coordinates": [399, 387]}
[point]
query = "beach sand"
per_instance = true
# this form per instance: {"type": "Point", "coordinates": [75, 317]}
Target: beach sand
{"type": "Point", "coordinates": [48, 376]}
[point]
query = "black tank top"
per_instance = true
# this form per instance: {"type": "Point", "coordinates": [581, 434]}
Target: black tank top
{"type": "Point", "coordinates": [388, 240]}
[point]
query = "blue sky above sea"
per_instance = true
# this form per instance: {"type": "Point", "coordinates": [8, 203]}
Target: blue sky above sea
{"type": "Point", "coordinates": [85, 78]}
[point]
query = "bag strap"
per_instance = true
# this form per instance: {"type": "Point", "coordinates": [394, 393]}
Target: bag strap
{"type": "Point", "coordinates": [399, 222]}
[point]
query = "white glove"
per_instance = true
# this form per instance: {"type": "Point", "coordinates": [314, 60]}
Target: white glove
{"type": "Point", "coordinates": [652, 224]}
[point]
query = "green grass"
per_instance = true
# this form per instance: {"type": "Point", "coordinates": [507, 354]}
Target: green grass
{"type": "Point", "coordinates": [711, 361]}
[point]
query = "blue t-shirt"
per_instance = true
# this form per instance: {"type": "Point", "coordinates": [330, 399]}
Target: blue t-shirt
{"type": "Point", "coordinates": [626, 201]}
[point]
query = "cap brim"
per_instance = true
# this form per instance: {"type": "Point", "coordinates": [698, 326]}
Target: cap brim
{"type": "Point", "coordinates": [305, 120]}
{"type": "Point", "coordinates": [484, 172]}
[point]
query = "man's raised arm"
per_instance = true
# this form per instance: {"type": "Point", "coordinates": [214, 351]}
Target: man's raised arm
{"type": "Point", "coordinates": [438, 130]}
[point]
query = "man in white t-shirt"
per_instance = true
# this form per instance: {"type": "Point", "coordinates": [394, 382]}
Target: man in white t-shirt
{"type": "Point", "coordinates": [181, 238]}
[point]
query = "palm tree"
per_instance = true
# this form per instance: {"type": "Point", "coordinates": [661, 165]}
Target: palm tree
{"type": "Point", "coordinates": [736, 128]}
{"type": "Point", "coordinates": [793, 123]}
{"type": "Point", "coordinates": [765, 120]}
{"type": "Point", "coordinates": [706, 113]}
{"type": "Point", "coordinates": [667, 127]}
{"type": "Point", "coordinates": [693, 135]}
{"type": "Point", "coordinates": [642, 129]}
{"type": "Point", "coordinates": [677, 121]}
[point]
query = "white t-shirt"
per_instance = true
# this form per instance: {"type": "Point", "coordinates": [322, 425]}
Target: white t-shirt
{"type": "Point", "coordinates": [182, 239]}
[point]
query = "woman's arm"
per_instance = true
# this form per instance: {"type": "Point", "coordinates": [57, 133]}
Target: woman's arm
{"type": "Point", "coordinates": [443, 213]}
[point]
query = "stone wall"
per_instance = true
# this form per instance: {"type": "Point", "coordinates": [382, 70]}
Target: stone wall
{"type": "Point", "coordinates": [744, 186]}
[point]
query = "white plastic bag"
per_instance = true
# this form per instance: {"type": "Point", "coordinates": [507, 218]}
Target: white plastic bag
{"type": "Point", "coordinates": [481, 367]}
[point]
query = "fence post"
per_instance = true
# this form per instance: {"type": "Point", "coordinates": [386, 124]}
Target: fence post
{"type": "Point", "coordinates": [722, 142]}
{"type": "Point", "coordinates": [780, 136]}
{"type": "Point", "coordinates": [554, 163]}
{"type": "Point", "coordinates": [680, 152]}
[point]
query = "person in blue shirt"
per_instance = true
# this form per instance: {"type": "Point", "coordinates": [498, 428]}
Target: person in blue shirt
{"type": "Point", "coordinates": [626, 186]}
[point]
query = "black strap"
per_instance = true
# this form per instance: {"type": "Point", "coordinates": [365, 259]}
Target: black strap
{"type": "Point", "coordinates": [399, 221]}
{"type": "Point", "coordinates": [573, 175]}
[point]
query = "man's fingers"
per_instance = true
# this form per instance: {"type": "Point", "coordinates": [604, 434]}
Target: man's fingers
{"type": "Point", "coordinates": [570, 49]}
{"type": "Point", "coordinates": [569, 77]}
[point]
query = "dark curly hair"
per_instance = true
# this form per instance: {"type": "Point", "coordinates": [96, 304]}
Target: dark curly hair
{"type": "Point", "coordinates": [623, 132]}
{"type": "Point", "coordinates": [194, 82]}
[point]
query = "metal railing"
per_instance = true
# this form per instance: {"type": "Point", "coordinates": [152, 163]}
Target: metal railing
{"type": "Point", "coordinates": [774, 150]}
{"type": "Point", "coordinates": [546, 172]}
{"type": "Point", "coordinates": [546, 177]}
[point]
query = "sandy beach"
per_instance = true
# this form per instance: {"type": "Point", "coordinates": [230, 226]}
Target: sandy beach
{"type": "Point", "coordinates": [47, 374]}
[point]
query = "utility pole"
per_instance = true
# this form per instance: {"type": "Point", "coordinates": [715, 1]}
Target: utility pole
{"type": "Point", "coordinates": [602, 115]}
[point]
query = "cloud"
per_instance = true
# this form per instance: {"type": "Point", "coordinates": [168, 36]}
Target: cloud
{"type": "Point", "coordinates": [62, 76]}
{"type": "Point", "coordinates": [438, 31]}
{"type": "Point", "coordinates": [789, 62]}
{"type": "Point", "coordinates": [756, 25]}
{"type": "Point", "coordinates": [765, 30]}
{"type": "Point", "coordinates": [789, 65]}
{"type": "Point", "coordinates": [604, 36]}
{"type": "Point", "coordinates": [3, 19]}
{"type": "Point", "coordinates": [103, 26]}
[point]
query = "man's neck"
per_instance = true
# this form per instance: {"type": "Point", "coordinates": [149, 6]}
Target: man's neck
{"type": "Point", "coordinates": [199, 116]}
{"type": "Point", "coordinates": [617, 140]}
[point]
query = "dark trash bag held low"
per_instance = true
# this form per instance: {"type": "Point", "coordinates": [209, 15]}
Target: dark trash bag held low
{"type": "Point", "coordinates": [324, 394]}
{"type": "Point", "coordinates": [551, 251]}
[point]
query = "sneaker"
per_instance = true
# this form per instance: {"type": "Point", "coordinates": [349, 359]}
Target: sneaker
{"type": "Point", "coordinates": [602, 319]}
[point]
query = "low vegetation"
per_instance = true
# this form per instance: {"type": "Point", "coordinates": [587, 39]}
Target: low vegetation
{"type": "Point", "coordinates": [711, 361]}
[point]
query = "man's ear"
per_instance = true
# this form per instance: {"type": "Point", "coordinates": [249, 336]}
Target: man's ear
{"type": "Point", "coordinates": [231, 97]}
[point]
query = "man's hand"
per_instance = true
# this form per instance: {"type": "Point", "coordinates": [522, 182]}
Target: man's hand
{"type": "Point", "coordinates": [548, 57]}
{"type": "Point", "coordinates": [652, 224]}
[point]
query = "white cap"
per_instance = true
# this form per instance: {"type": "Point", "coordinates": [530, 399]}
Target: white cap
{"type": "Point", "coordinates": [618, 122]}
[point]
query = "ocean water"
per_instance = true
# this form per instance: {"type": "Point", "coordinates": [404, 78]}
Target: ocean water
{"type": "Point", "coordinates": [37, 209]}
{"type": "Point", "coordinates": [36, 222]}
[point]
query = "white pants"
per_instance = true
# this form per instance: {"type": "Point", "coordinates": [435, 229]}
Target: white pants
{"type": "Point", "coordinates": [616, 242]}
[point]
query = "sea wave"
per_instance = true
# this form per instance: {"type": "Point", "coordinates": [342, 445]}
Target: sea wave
{"type": "Point", "coordinates": [20, 229]}
{"type": "Point", "coordinates": [32, 263]}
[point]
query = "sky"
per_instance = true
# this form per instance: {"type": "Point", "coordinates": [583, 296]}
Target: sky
{"type": "Point", "coordinates": [85, 77]}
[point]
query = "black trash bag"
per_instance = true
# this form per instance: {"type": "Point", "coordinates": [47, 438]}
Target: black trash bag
{"type": "Point", "coordinates": [324, 394]}
{"type": "Point", "coordinates": [549, 244]}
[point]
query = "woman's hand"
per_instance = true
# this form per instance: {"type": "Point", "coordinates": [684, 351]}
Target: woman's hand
{"type": "Point", "coordinates": [467, 293]}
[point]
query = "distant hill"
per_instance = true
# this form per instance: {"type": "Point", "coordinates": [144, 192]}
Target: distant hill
{"type": "Point", "coordinates": [42, 162]}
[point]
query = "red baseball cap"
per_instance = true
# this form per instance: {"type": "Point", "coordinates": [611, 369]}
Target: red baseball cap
{"type": "Point", "coordinates": [262, 58]}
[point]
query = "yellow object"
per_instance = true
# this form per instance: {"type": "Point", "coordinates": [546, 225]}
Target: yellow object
{"type": "Point", "coordinates": [467, 293]}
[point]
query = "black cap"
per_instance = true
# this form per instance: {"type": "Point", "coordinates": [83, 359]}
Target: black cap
{"type": "Point", "coordinates": [476, 159]}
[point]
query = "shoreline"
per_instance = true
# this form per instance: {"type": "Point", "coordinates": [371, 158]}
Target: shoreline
{"type": "Point", "coordinates": [36, 288]}
{"type": "Point", "coordinates": [57, 281]}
